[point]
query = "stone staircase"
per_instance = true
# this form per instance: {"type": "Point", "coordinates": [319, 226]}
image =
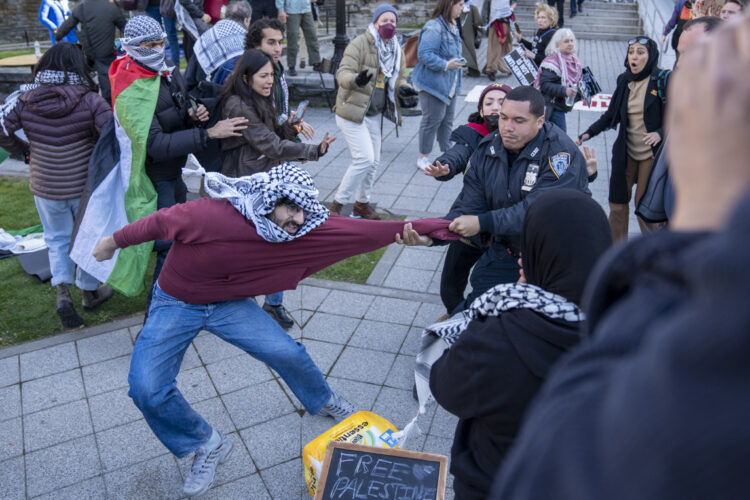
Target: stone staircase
{"type": "Point", "coordinates": [598, 21]}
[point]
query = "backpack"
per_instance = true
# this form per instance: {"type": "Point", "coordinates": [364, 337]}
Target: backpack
{"type": "Point", "coordinates": [410, 51]}
{"type": "Point", "coordinates": [662, 79]}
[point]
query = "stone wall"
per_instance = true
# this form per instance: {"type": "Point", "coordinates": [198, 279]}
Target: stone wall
{"type": "Point", "coordinates": [19, 21]}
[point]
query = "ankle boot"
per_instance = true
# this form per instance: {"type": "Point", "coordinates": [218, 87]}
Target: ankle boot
{"type": "Point", "coordinates": [92, 299]}
{"type": "Point", "coordinates": [65, 309]}
{"type": "Point", "coordinates": [335, 207]}
{"type": "Point", "coordinates": [365, 211]}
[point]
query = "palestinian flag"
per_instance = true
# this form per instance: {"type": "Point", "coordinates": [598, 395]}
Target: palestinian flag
{"type": "Point", "coordinates": [118, 191]}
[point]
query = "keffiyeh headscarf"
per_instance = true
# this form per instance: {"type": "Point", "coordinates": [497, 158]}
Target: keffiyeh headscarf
{"type": "Point", "coordinates": [46, 77]}
{"type": "Point", "coordinates": [255, 196]}
{"type": "Point", "coordinates": [224, 41]}
{"type": "Point", "coordinates": [138, 30]}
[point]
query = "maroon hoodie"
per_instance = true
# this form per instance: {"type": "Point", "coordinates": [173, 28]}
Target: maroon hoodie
{"type": "Point", "coordinates": [62, 123]}
{"type": "Point", "coordinates": [217, 254]}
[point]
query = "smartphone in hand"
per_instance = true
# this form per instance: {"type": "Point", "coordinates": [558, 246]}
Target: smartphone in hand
{"type": "Point", "coordinates": [301, 108]}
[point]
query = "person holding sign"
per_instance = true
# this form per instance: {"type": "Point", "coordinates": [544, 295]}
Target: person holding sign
{"type": "Point", "coordinates": [370, 75]}
{"type": "Point", "coordinates": [546, 21]}
{"type": "Point", "coordinates": [559, 76]}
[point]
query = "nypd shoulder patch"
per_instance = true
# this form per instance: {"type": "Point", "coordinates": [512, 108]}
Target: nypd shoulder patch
{"type": "Point", "coordinates": [559, 163]}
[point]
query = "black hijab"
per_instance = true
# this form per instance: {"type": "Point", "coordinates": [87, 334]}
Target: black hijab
{"type": "Point", "coordinates": [564, 233]}
{"type": "Point", "coordinates": [653, 60]}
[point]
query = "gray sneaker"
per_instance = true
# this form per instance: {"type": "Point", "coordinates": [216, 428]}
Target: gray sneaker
{"type": "Point", "coordinates": [203, 471]}
{"type": "Point", "coordinates": [337, 407]}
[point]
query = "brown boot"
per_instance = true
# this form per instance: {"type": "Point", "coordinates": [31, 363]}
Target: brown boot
{"type": "Point", "coordinates": [92, 299]}
{"type": "Point", "coordinates": [365, 211]}
{"type": "Point", "coordinates": [65, 309]}
{"type": "Point", "coordinates": [335, 207]}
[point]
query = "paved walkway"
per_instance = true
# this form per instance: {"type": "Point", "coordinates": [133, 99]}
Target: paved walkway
{"type": "Point", "coordinates": [69, 430]}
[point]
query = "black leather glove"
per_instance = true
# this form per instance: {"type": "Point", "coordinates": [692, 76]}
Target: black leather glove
{"type": "Point", "coordinates": [407, 91]}
{"type": "Point", "coordinates": [362, 78]}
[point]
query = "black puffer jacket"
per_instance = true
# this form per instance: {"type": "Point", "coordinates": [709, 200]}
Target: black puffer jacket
{"type": "Point", "coordinates": [553, 90]}
{"type": "Point", "coordinates": [488, 378]}
{"type": "Point", "coordinates": [466, 139]}
{"type": "Point", "coordinates": [173, 134]}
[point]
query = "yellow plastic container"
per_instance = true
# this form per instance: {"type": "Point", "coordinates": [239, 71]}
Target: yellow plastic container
{"type": "Point", "coordinates": [363, 427]}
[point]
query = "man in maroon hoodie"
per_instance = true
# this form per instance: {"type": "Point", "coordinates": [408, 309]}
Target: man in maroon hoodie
{"type": "Point", "coordinates": [258, 235]}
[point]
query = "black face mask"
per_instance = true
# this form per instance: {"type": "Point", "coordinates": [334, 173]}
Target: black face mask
{"type": "Point", "coordinates": [491, 121]}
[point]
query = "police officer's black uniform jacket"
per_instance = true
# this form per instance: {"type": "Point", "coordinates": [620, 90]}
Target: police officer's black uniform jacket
{"type": "Point", "coordinates": [500, 194]}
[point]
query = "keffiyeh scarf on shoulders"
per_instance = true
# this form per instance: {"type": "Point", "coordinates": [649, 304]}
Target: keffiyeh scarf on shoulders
{"type": "Point", "coordinates": [495, 301]}
{"type": "Point", "coordinates": [567, 67]}
{"type": "Point", "coordinates": [46, 77]}
{"type": "Point", "coordinates": [255, 196]}
{"type": "Point", "coordinates": [224, 41]}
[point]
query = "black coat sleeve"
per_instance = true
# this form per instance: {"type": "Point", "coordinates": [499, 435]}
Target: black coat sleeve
{"type": "Point", "coordinates": [192, 8]}
{"type": "Point", "coordinates": [468, 377]}
{"type": "Point", "coordinates": [551, 85]}
{"type": "Point", "coordinates": [458, 156]}
{"type": "Point", "coordinates": [165, 146]}
{"type": "Point", "coordinates": [604, 122]}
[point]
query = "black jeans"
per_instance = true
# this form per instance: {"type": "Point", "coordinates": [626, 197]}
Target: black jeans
{"type": "Point", "coordinates": [459, 260]}
{"type": "Point", "coordinates": [264, 8]}
{"type": "Point", "coordinates": [560, 9]}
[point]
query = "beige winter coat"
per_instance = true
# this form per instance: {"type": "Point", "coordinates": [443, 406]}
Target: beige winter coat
{"type": "Point", "coordinates": [351, 100]}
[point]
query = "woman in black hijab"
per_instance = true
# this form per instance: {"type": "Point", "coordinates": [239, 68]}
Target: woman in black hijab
{"type": "Point", "coordinates": [514, 333]}
{"type": "Point", "coordinates": [637, 106]}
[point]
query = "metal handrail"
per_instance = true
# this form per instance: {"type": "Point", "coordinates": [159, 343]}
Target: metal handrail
{"type": "Point", "coordinates": [650, 8]}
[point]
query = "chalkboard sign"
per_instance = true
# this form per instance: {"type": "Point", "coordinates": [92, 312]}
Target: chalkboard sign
{"type": "Point", "coordinates": [354, 472]}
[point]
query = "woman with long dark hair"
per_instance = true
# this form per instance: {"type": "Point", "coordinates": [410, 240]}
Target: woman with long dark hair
{"type": "Point", "coordinates": [62, 115]}
{"type": "Point", "coordinates": [264, 143]}
{"type": "Point", "coordinates": [637, 107]}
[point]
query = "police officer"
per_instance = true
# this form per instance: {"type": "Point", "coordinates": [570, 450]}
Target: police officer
{"type": "Point", "coordinates": [509, 169]}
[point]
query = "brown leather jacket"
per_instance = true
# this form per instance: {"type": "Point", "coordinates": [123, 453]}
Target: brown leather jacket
{"type": "Point", "coordinates": [262, 145]}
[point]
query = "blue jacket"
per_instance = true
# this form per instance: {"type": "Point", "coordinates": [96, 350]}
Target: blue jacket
{"type": "Point", "coordinates": [52, 14]}
{"type": "Point", "coordinates": [437, 45]}
{"type": "Point", "coordinates": [294, 6]}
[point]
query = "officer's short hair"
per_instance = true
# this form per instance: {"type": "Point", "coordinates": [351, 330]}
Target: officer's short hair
{"type": "Point", "coordinates": [709, 23]}
{"type": "Point", "coordinates": [527, 93]}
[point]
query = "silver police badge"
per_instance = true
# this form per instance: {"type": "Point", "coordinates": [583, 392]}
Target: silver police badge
{"type": "Point", "coordinates": [559, 163]}
{"type": "Point", "coordinates": [529, 181]}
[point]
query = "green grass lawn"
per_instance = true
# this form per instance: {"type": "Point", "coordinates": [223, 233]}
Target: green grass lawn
{"type": "Point", "coordinates": [27, 307]}
{"type": "Point", "coordinates": [12, 53]}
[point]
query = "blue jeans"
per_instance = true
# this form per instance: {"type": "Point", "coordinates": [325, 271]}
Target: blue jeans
{"type": "Point", "coordinates": [558, 118]}
{"type": "Point", "coordinates": [495, 266]}
{"type": "Point", "coordinates": [275, 299]}
{"type": "Point", "coordinates": [172, 324]}
{"type": "Point", "coordinates": [58, 218]}
{"type": "Point", "coordinates": [171, 28]}
{"type": "Point", "coordinates": [168, 193]}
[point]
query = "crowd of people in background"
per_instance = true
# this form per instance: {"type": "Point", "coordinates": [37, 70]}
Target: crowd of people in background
{"type": "Point", "coordinates": [563, 362]}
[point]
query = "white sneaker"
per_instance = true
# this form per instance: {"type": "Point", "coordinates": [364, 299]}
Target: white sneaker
{"type": "Point", "coordinates": [337, 407]}
{"type": "Point", "coordinates": [423, 162]}
{"type": "Point", "coordinates": [203, 471]}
